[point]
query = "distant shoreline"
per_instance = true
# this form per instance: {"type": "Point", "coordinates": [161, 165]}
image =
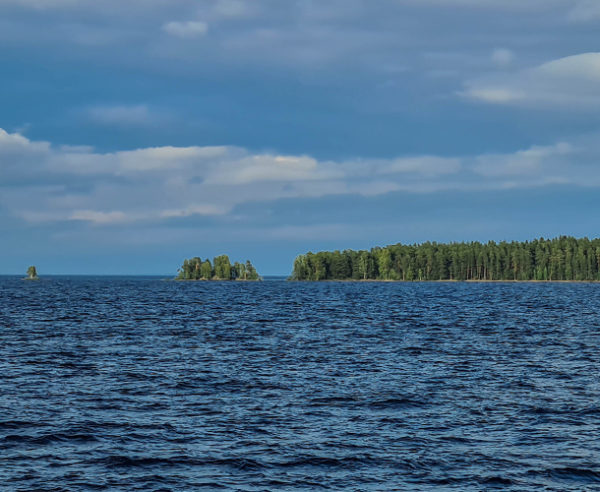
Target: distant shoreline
{"type": "Point", "coordinates": [208, 280]}
{"type": "Point", "coordinates": [450, 281]}
{"type": "Point", "coordinates": [285, 278]}
{"type": "Point", "coordinates": [563, 258]}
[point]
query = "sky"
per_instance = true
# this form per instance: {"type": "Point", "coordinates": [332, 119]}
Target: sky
{"type": "Point", "coordinates": [136, 134]}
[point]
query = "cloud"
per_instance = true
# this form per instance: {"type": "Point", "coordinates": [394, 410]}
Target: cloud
{"type": "Point", "coordinates": [194, 209]}
{"type": "Point", "coordinates": [100, 217]}
{"type": "Point", "coordinates": [259, 168]}
{"type": "Point", "coordinates": [569, 82]}
{"type": "Point", "coordinates": [16, 143]}
{"type": "Point", "coordinates": [330, 35]}
{"type": "Point", "coordinates": [535, 161]}
{"type": "Point", "coordinates": [45, 183]}
{"type": "Point", "coordinates": [188, 29]}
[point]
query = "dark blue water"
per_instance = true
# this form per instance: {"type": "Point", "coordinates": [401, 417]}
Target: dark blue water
{"type": "Point", "coordinates": [142, 384]}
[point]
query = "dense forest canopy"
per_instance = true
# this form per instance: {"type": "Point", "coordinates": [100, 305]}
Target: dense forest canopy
{"type": "Point", "coordinates": [563, 258]}
{"type": "Point", "coordinates": [219, 269]}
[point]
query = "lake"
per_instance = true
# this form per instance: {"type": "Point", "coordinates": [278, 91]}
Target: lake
{"type": "Point", "coordinates": [136, 383]}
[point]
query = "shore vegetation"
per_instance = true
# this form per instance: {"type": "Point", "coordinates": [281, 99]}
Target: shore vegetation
{"type": "Point", "coordinates": [220, 269]}
{"type": "Point", "coordinates": [32, 273]}
{"type": "Point", "coordinates": [560, 259]}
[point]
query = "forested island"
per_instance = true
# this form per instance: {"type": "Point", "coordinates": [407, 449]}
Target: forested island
{"type": "Point", "coordinates": [562, 258]}
{"type": "Point", "coordinates": [220, 269]}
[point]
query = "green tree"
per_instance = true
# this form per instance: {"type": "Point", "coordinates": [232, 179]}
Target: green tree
{"type": "Point", "coordinates": [251, 273]}
{"type": "Point", "coordinates": [239, 271]}
{"type": "Point", "coordinates": [383, 258]}
{"type": "Point", "coordinates": [563, 258]}
{"type": "Point", "coordinates": [206, 271]}
{"type": "Point", "coordinates": [222, 267]}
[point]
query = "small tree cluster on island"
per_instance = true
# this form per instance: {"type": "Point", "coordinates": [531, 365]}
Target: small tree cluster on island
{"type": "Point", "coordinates": [32, 273]}
{"type": "Point", "coordinates": [220, 269]}
{"type": "Point", "coordinates": [563, 259]}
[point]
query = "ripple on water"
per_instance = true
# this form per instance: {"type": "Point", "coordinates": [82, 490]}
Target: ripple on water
{"type": "Point", "coordinates": [140, 384]}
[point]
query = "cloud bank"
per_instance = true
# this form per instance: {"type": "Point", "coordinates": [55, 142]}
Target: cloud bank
{"type": "Point", "coordinates": [41, 182]}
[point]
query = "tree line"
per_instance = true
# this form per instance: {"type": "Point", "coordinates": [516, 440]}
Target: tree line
{"type": "Point", "coordinates": [562, 258]}
{"type": "Point", "coordinates": [220, 269]}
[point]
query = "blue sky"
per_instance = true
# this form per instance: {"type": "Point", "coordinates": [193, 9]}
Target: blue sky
{"type": "Point", "coordinates": [135, 134]}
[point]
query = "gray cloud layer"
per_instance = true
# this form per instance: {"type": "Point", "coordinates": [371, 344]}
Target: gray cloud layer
{"type": "Point", "coordinates": [41, 182]}
{"type": "Point", "coordinates": [293, 34]}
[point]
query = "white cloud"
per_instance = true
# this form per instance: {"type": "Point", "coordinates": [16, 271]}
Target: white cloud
{"type": "Point", "coordinates": [96, 217]}
{"type": "Point", "coordinates": [569, 82]}
{"type": "Point", "coordinates": [535, 161]}
{"type": "Point", "coordinates": [187, 29]}
{"type": "Point", "coordinates": [44, 183]}
{"type": "Point", "coordinates": [257, 168]}
{"type": "Point", "coordinates": [14, 142]}
{"type": "Point", "coordinates": [494, 95]}
{"type": "Point", "coordinates": [167, 159]}
{"type": "Point", "coordinates": [194, 209]}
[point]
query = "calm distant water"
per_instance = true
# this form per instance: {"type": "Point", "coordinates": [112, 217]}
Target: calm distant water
{"type": "Point", "coordinates": [141, 384]}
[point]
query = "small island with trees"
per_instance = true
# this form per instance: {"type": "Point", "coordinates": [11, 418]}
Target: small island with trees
{"type": "Point", "coordinates": [220, 269]}
{"type": "Point", "coordinates": [32, 274]}
{"type": "Point", "coordinates": [561, 259]}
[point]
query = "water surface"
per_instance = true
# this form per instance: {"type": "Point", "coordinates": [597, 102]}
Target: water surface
{"type": "Point", "coordinates": [141, 384]}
